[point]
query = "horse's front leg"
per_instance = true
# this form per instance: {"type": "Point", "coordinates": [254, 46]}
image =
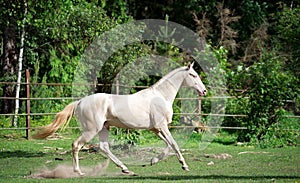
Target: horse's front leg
{"type": "Point", "coordinates": [104, 147]}
{"type": "Point", "coordinates": [170, 140]}
{"type": "Point", "coordinates": [165, 152]}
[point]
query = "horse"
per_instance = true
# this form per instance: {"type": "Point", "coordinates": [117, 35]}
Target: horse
{"type": "Point", "coordinates": [149, 109]}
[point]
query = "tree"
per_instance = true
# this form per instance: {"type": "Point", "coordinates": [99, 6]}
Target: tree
{"type": "Point", "coordinates": [20, 65]}
{"type": "Point", "coordinates": [287, 37]}
{"type": "Point", "coordinates": [9, 56]}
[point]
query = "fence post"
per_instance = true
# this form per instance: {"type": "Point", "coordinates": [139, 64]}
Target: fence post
{"type": "Point", "coordinates": [28, 104]}
{"type": "Point", "coordinates": [199, 108]}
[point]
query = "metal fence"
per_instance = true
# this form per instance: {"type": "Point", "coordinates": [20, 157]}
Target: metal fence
{"type": "Point", "coordinates": [28, 114]}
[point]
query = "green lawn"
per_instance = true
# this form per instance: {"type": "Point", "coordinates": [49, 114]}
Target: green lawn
{"type": "Point", "coordinates": [19, 157]}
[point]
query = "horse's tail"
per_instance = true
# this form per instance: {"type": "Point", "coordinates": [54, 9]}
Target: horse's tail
{"type": "Point", "coordinates": [61, 119]}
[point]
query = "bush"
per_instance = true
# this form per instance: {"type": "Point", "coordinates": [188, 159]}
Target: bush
{"type": "Point", "coordinates": [268, 86]}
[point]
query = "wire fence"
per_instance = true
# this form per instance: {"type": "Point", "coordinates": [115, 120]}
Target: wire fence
{"type": "Point", "coordinates": [198, 113]}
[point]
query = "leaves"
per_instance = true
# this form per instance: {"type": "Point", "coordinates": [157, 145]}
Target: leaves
{"type": "Point", "coordinates": [269, 85]}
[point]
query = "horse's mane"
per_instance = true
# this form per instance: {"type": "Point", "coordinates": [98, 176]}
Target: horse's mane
{"type": "Point", "coordinates": [166, 77]}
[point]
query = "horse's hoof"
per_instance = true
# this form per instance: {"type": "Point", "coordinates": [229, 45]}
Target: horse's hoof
{"type": "Point", "coordinates": [186, 168]}
{"type": "Point", "coordinates": [79, 172]}
{"type": "Point", "coordinates": [127, 172]}
{"type": "Point", "coordinates": [154, 161]}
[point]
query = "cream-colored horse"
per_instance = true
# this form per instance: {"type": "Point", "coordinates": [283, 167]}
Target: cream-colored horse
{"type": "Point", "coordinates": [150, 109]}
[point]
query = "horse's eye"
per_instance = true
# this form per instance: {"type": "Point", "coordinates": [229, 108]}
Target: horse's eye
{"type": "Point", "coordinates": [194, 76]}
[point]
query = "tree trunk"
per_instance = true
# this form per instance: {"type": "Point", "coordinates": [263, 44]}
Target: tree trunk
{"type": "Point", "coordinates": [9, 58]}
{"type": "Point", "coordinates": [20, 62]}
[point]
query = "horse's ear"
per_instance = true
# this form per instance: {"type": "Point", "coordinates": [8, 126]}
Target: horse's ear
{"type": "Point", "coordinates": [191, 65]}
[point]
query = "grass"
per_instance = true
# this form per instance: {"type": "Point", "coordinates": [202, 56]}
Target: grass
{"type": "Point", "coordinates": [19, 157]}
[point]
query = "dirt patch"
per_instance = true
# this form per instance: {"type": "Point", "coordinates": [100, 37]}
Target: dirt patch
{"type": "Point", "coordinates": [252, 152]}
{"type": "Point", "coordinates": [218, 156]}
{"type": "Point", "coordinates": [66, 171]}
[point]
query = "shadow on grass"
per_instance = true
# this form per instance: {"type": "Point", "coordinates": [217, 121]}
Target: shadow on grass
{"type": "Point", "coordinates": [208, 177]}
{"type": "Point", "coordinates": [20, 154]}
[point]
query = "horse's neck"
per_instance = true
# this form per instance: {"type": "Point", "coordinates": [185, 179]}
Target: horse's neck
{"type": "Point", "coordinates": [169, 85]}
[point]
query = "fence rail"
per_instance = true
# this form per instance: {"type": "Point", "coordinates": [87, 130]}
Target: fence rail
{"type": "Point", "coordinates": [198, 114]}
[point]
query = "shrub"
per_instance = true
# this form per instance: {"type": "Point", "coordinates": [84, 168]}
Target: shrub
{"type": "Point", "coordinates": [268, 86]}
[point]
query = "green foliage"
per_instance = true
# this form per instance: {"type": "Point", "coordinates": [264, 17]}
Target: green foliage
{"type": "Point", "coordinates": [254, 14]}
{"type": "Point", "coordinates": [124, 63]}
{"type": "Point", "coordinates": [5, 122]}
{"type": "Point", "coordinates": [288, 37]}
{"type": "Point", "coordinates": [216, 82]}
{"type": "Point", "coordinates": [127, 137]}
{"type": "Point", "coordinates": [236, 106]}
{"type": "Point", "coordinates": [117, 9]}
{"type": "Point", "coordinates": [225, 138]}
{"type": "Point", "coordinates": [60, 32]}
{"type": "Point", "coordinates": [268, 86]}
{"type": "Point", "coordinates": [194, 140]}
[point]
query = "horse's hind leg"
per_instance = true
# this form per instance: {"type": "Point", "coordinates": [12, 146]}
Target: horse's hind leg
{"type": "Point", "coordinates": [104, 146]}
{"type": "Point", "coordinates": [77, 145]}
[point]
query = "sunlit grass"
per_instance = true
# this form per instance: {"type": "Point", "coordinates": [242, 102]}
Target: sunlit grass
{"type": "Point", "coordinates": [20, 157]}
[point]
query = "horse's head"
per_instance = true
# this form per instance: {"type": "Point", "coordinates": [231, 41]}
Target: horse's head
{"type": "Point", "coordinates": [193, 80]}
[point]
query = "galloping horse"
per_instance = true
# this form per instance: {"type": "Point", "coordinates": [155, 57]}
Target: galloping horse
{"type": "Point", "coordinates": [150, 109]}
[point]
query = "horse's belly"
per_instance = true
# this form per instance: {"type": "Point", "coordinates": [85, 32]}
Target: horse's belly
{"type": "Point", "coordinates": [129, 123]}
